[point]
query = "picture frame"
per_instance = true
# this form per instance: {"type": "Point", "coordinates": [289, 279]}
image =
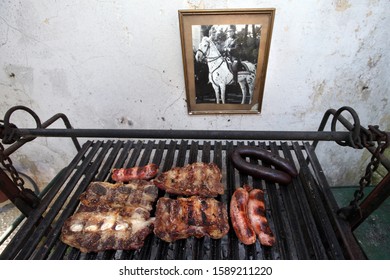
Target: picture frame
{"type": "Point", "coordinates": [225, 56]}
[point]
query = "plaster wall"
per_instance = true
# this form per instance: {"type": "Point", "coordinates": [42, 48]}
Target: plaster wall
{"type": "Point", "coordinates": [118, 64]}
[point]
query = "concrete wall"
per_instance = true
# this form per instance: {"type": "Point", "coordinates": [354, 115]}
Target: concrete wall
{"type": "Point", "coordinates": [118, 64]}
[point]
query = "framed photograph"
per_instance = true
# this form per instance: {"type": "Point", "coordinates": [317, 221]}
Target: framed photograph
{"type": "Point", "coordinates": [225, 56]}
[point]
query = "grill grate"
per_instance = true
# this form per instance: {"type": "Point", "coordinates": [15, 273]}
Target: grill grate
{"type": "Point", "coordinates": [301, 215]}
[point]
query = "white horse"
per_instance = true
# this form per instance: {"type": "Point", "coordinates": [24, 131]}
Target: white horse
{"type": "Point", "coordinates": [219, 74]}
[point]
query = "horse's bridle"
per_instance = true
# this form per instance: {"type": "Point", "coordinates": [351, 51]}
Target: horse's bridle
{"type": "Point", "coordinates": [204, 53]}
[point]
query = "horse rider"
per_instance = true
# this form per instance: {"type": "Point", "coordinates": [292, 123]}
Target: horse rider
{"type": "Point", "coordinates": [231, 50]}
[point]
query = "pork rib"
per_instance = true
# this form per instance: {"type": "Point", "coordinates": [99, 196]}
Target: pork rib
{"type": "Point", "coordinates": [202, 179]}
{"type": "Point", "coordinates": [195, 216]}
{"type": "Point", "coordinates": [111, 217]}
{"type": "Point", "coordinates": [135, 193]}
{"type": "Point", "coordinates": [95, 229]}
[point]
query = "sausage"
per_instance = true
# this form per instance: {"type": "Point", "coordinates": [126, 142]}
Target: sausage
{"type": "Point", "coordinates": [283, 172]}
{"type": "Point", "coordinates": [146, 172]}
{"type": "Point", "coordinates": [257, 218]}
{"type": "Point", "coordinates": [239, 217]}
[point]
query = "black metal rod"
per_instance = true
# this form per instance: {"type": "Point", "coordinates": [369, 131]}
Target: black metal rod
{"type": "Point", "coordinates": [186, 134]}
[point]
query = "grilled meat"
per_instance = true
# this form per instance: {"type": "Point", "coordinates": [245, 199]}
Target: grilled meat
{"type": "Point", "coordinates": [256, 214]}
{"type": "Point", "coordinates": [135, 193]}
{"type": "Point", "coordinates": [146, 172]}
{"type": "Point", "coordinates": [239, 216]}
{"type": "Point", "coordinates": [95, 229]}
{"type": "Point", "coordinates": [195, 216]}
{"type": "Point", "coordinates": [111, 217]}
{"type": "Point", "coordinates": [247, 213]}
{"type": "Point", "coordinates": [203, 179]}
{"type": "Point", "coordinates": [282, 173]}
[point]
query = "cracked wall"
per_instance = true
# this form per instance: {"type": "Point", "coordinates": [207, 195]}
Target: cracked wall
{"type": "Point", "coordinates": [118, 64]}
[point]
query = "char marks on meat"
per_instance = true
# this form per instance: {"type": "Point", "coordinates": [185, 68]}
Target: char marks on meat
{"type": "Point", "coordinates": [202, 179]}
{"type": "Point", "coordinates": [258, 219]}
{"type": "Point", "coordinates": [239, 216]}
{"type": "Point", "coordinates": [98, 229]}
{"type": "Point", "coordinates": [194, 216]}
{"type": "Point", "coordinates": [135, 193]}
{"type": "Point", "coordinates": [248, 217]}
{"type": "Point", "coordinates": [111, 217]}
{"type": "Point", "coordinates": [146, 172]}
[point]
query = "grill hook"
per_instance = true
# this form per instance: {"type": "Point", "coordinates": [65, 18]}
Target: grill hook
{"type": "Point", "coordinates": [354, 139]}
{"type": "Point", "coordinates": [9, 134]}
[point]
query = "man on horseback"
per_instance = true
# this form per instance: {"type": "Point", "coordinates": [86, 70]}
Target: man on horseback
{"type": "Point", "coordinates": [220, 72]}
{"type": "Point", "coordinates": [232, 50]}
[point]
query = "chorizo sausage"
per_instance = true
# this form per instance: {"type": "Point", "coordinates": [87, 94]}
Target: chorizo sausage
{"type": "Point", "coordinates": [257, 218]}
{"type": "Point", "coordinates": [146, 172]}
{"type": "Point", "coordinates": [283, 172]}
{"type": "Point", "coordinates": [239, 217]}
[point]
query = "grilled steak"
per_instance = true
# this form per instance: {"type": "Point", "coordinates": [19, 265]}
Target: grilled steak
{"type": "Point", "coordinates": [203, 179]}
{"type": "Point", "coordinates": [94, 229]}
{"type": "Point", "coordinates": [195, 216]}
{"type": "Point", "coordinates": [146, 172]}
{"type": "Point", "coordinates": [135, 193]}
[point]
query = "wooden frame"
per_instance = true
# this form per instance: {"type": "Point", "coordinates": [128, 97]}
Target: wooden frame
{"type": "Point", "coordinates": [209, 59]}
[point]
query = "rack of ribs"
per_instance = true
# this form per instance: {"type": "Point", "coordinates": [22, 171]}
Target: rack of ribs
{"type": "Point", "coordinates": [111, 217]}
{"type": "Point", "coordinates": [135, 193]}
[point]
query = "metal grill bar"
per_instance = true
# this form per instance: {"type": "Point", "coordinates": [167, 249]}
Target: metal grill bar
{"type": "Point", "coordinates": [185, 134]}
{"type": "Point", "coordinates": [348, 240]}
{"type": "Point", "coordinates": [299, 214]}
{"type": "Point", "coordinates": [312, 195]}
{"type": "Point", "coordinates": [294, 213]}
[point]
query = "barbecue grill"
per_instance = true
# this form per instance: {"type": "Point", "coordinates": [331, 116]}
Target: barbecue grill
{"type": "Point", "coordinates": [304, 216]}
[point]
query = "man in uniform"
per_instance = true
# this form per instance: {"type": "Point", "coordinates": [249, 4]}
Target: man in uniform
{"type": "Point", "coordinates": [232, 50]}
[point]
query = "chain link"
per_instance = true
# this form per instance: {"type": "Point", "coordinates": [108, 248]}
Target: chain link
{"type": "Point", "coordinates": [8, 165]}
{"type": "Point", "coordinates": [382, 144]}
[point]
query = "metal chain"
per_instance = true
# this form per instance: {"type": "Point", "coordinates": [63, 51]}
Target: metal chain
{"type": "Point", "coordinates": [382, 143]}
{"type": "Point", "coordinates": [8, 165]}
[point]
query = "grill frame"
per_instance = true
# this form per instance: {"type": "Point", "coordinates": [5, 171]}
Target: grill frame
{"type": "Point", "coordinates": [301, 214]}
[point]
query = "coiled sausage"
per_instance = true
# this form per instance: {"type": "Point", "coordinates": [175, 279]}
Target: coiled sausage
{"type": "Point", "coordinates": [283, 172]}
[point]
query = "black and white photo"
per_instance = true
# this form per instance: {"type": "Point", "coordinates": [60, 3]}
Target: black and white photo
{"type": "Point", "coordinates": [230, 53]}
{"type": "Point", "coordinates": [225, 55]}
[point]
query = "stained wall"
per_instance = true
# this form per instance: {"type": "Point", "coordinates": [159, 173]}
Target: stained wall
{"type": "Point", "coordinates": [118, 64]}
